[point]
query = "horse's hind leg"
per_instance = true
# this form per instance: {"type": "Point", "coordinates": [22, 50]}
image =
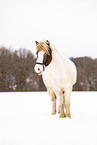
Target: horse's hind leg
{"type": "Point", "coordinates": [67, 102]}
{"type": "Point", "coordinates": [53, 101]}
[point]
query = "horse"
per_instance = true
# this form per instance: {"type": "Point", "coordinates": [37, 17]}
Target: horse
{"type": "Point", "coordinates": [59, 75]}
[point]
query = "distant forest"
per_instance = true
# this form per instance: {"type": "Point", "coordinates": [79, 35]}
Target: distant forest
{"type": "Point", "coordinates": [17, 72]}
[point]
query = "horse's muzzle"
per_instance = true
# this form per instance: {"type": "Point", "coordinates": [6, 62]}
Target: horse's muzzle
{"type": "Point", "coordinates": [38, 69]}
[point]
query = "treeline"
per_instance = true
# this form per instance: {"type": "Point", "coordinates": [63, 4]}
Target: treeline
{"type": "Point", "coordinates": [87, 74]}
{"type": "Point", "coordinates": [17, 72]}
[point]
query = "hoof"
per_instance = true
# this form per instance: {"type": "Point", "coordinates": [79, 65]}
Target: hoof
{"type": "Point", "coordinates": [53, 113]}
{"type": "Point", "coordinates": [68, 115]}
{"type": "Point", "coordinates": [62, 116]}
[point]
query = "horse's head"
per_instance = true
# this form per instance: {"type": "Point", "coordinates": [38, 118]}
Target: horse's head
{"type": "Point", "coordinates": [44, 56]}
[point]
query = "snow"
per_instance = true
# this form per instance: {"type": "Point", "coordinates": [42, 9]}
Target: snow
{"type": "Point", "coordinates": [25, 119]}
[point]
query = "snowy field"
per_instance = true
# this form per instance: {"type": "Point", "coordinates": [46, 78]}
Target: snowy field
{"type": "Point", "coordinates": [25, 119]}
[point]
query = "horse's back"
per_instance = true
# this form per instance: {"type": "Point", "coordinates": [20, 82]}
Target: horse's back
{"type": "Point", "coordinates": [70, 67]}
{"type": "Point", "coordinates": [73, 71]}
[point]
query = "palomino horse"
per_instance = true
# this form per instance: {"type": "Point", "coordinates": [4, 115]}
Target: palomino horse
{"type": "Point", "coordinates": [59, 75]}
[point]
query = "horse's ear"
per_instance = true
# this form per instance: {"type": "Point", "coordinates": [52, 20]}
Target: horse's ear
{"type": "Point", "coordinates": [47, 42]}
{"type": "Point", "coordinates": [36, 42]}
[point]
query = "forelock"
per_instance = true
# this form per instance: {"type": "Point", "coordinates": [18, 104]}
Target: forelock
{"type": "Point", "coordinates": [42, 46]}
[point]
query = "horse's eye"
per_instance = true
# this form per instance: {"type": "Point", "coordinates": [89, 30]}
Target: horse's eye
{"type": "Point", "coordinates": [37, 54]}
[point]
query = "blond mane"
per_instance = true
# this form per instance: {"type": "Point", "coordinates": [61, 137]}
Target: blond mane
{"type": "Point", "coordinates": [42, 46]}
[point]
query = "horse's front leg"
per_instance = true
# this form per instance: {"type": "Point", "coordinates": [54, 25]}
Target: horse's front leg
{"type": "Point", "coordinates": [63, 102]}
{"type": "Point", "coordinates": [53, 101]}
{"type": "Point", "coordinates": [61, 105]}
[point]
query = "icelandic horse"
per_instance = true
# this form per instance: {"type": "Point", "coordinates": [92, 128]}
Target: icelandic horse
{"type": "Point", "coordinates": [59, 75]}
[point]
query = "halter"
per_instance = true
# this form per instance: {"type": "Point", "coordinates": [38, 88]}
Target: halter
{"type": "Point", "coordinates": [45, 63]}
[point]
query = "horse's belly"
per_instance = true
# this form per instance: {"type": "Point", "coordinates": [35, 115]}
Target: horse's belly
{"type": "Point", "coordinates": [53, 82]}
{"type": "Point", "coordinates": [61, 83]}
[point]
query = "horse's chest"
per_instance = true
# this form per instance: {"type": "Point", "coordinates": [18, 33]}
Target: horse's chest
{"type": "Point", "coordinates": [47, 79]}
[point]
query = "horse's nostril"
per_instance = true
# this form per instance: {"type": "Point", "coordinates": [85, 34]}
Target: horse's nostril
{"type": "Point", "coordinates": [38, 69]}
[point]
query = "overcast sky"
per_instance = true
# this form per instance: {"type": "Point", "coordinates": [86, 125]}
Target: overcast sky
{"type": "Point", "coordinates": [69, 24]}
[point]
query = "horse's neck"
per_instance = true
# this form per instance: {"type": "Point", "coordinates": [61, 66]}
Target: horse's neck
{"type": "Point", "coordinates": [58, 55]}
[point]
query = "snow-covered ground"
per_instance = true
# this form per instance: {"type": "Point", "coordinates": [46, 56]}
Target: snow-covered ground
{"type": "Point", "coordinates": [25, 119]}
